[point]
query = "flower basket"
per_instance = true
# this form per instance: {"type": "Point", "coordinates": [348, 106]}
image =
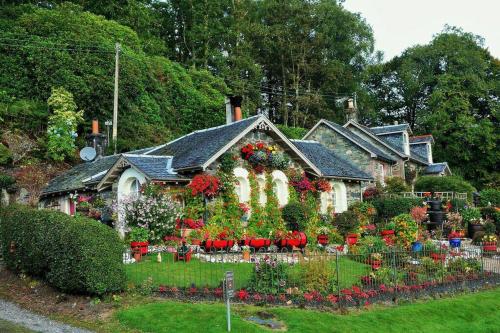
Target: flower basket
{"type": "Point", "coordinates": [323, 239]}
{"type": "Point", "coordinates": [143, 246]}
{"type": "Point", "coordinates": [218, 244]}
{"type": "Point", "coordinates": [352, 239]}
{"type": "Point", "coordinates": [258, 243]}
{"type": "Point", "coordinates": [455, 242]}
{"type": "Point", "coordinates": [489, 246]}
{"type": "Point", "coordinates": [298, 239]}
{"type": "Point", "coordinates": [376, 264]}
{"type": "Point", "coordinates": [438, 257]}
{"type": "Point", "coordinates": [387, 232]}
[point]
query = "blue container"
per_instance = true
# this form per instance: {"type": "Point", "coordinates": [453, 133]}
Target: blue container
{"type": "Point", "coordinates": [416, 246]}
{"type": "Point", "coordinates": [455, 242]}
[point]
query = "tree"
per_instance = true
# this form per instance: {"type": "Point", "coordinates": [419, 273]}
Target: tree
{"type": "Point", "coordinates": [448, 88]}
{"type": "Point", "coordinates": [63, 124]}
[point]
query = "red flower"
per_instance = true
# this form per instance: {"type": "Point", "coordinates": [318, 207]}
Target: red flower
{"type": "Point", "coordinates": [282, 298]}
{"type": "Point", "coordinates": [193, 290]}
{"type": "Point", "coordinates": [332, 298]}
{"type": "Point", "coordinates": [356, 289]}
{"type": "Point", "coordinates": [308, 296]}
{"type": "Point", "coordinates": [242, 294]}
{"type": "Point", "coordinates": [260, 145]}
{"type": "Point", "coordinates": [323, 185]}
{"type": "Point", "coordinates": [162, 289]}
{"type": "Point", "coordinates": [346, 291]}
{"type": "Point", "coordinates": [218, 292]}
{"type": "Point", "coordinates": [204, 184]}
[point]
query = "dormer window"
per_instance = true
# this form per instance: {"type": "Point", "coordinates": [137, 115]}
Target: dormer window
{"type": "Point", "coordinates": [406, 143]}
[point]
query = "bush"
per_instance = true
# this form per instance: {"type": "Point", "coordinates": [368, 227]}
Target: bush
{"type": "Point", "coordinates": [443, 184]}
{"type": "Point", "coordinates": [490, 196]}
{"type": "Point", "coordinates": [75, 255]}
{"type": "Point", "coordinates": [5, 155]}
{"type": "Point", "coordinates": [458, 204]}
{"type": "Point", "coordinates": [471, 215]}
{"type": "Point", "coordinates": [389, 207]}
{"type": "Point", "coordinates": [6, 181]}
{"type": "Point", "coordinates": [293, 132]}
{"type": "Point", "coordinates": [295, 216]}
{"type": "Point", "coordinates": [395, 185]}
{"type": "Point", "coordinates": [406, 229]}
{"type": "Point", "coordinates": [346, 222]}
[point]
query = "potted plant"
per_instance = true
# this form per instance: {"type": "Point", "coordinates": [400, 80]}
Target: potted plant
{"type": "Point", "coordinates": [473, 219]}
{"type": "Point", "coordinates": [388, 229]}
{"type": "Point", "coordinates": [323, 237]}
{"type": "Point", "coordinates": [245, 250]}
{"type": "Point", "coordinates": [352, 238]}
{"type": "Point", "coordinates": [454, 239]}
{"type": "Point", "coordinates": [290, 239]}
{"type": "Point", "coordinates": [489, 238]}
{"type": "Point", "coordinates": [139, 239]}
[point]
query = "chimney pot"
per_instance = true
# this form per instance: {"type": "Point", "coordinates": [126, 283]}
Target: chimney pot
{"type": "Point", "coordinates": [236, 103]}
{"type": "Point", "coordinates": [396, 122]}
{"type": "Point", "coordinates": [95, 126]}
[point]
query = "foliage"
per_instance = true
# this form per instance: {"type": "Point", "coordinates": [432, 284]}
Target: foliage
{"type": "Point", "coordinates": [471, 215]}
{"type": "Point", "coordinates": [368, 245]}
{"type": "Point", "coordinates": [228, 163]}
{"type": "Point", "coordinates": [371, 193]}
{"type": "Point", "coordinates": [390, 207]}
{"type": "Point", "coordinates": [419, 214]}
{"type": "Point", "coordinates": [19, 144]}
{"type": "Point", "coordinates": [274, 216]}
{"type": "Point", "coordinates": [317, 275]}
{"type": "Point", "coordinates": [138, 234]}
{"type": "Point", "coordinates": [296, 133]}
{"type": "Point", "coordinates": [490, 196]}
{"type": "Point", "coordinates": [489, 228]}
{"type": "Point", "coordinates": [365, 212]}
{"type": "Point", "coordinates": [63, 124]}
{"type": "Point", "coordinates": [5, 155]}
{"type": "Point", "coordinates": [346, 222]}
{"type": "Point", "coordinates": [443, 184]}
{"type": "Point", "coordinates": [406, 229]}
{"type": "Point", "coordinates": [38, 237]}
{"type": "Point", "coordinates": [454, 221]}
{"type": "Point", "coordinates": [270, 276]}
{"type": "Point", "coordinates": [448, 88]}
{"type": "Point", "coordinates": [6, 181]}
{"type": "Point", "coordinates": [394, 185]}
{"type": "Point", "coordinates": [295, 216]}
{"type": "Point", "coordinates": [33, 178]}
{"type": "Point", "coordinates": [458, 204]}
{"type": "Point", "coordinates": [155, 212]}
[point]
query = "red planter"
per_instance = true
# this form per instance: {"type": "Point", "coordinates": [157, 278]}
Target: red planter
{"type": "Point", "coordinates": [489, 246]}
{"type": "Point", "coordinates": [258, 243]}
{"type": "Point", "coordinates": [323, 239]}
{"type": "Point", "coordinates": [143, 246]}
{"type": "Point", "coordinates": [352, 239]}
{"type": "Point", "coordinates": [298, 239]}
{"type": "Point", "coordinates": [218, 244]}
{"type": "Point", "coordinates": [386, 232]}
{"type": "Point", "coordinates": [437, 257]}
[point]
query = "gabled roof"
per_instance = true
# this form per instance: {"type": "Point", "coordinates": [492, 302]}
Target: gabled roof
{"type": "Point", "coordinates": [80, 176]}
{"type": "Point", "coordinates": [421, 139]}
{"type": "Point", "coordinates": [360, 142]}
{"type": "Point", "coordinates": [388, 129]}
{"type": "Point", "coordinates": [199, 149]}
{"type": "Point", "coordinates": [419, 151]}
{"type": "Point", "coordinates": [330, 165]}
{"type": "Point", "coordinates": [437, 168]}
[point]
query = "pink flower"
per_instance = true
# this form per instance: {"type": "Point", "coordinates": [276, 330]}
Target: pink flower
{"type": "Point", "coordinates": [242, 294]}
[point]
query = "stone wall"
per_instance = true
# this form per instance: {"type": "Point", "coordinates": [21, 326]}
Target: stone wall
{"type": "Point", "coordinates": [354, 192]}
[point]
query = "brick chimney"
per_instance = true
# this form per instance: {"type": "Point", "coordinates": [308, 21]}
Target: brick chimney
{"type": "Point", "coordinates": [97, 140]}
{"type": "Point", "coordinates": [233, 109]}
{"type": "Point", "coordinates": [350, 111]}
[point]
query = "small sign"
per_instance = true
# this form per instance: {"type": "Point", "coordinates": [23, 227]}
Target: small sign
{"type": "Point", "coordinates": [229, 284]}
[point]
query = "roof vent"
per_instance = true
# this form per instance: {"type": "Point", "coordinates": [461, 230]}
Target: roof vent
{"type": "Point", "coordinates": [396, 122]}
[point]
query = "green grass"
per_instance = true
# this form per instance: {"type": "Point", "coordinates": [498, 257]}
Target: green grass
{"type": "Point", "coordinates": [206, 274]}
{"type": "Point", "coordinates": [8, 327]}
{"type": "Point", "coordinates": [478, 312]}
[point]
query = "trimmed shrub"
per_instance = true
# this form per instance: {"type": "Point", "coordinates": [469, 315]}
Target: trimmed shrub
{"type": "Point", "coordinates": [443, 184]}
{"type": "Point", "coordinates": [387, 208]}
{"type": "Point", "coordinates": [395, 185]}
{"type": "Point", "coordinates": [490, 196]}
{"type": "Point", "coordinates": [75, 255]}
{"type": "Point", "coordinates": [346, 222]}
{"type": "Point", "coordinates": [294, 215]}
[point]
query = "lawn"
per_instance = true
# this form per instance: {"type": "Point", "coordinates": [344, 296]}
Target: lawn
{"type": "Point", "coordinates": [8, 327]}
{"type": "Point", "coordinates": [478, 312]}
{"type": "Point", "coordinates": [207, 274]}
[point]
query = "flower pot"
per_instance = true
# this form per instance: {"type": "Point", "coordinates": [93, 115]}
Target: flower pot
{"type": "Point", "coordinates": [376, 264]}
{"type": "Point", "coordinates": [489, 247]}
{"type": "Point", "coordinates": [143, 246]}
{"type": "Point", "coordinates": [455, 242]}
{"type": "Point", "coordinates": [323, 239]}
{"type": "Point", "coordinates": [472, 228]}
{"type": "Point", "coordinates": [246, 255]}
{"type": "Point", "coordinates": [258, 243]}
{"type": "Point", "coordinates": [386, 232]}
{"type": "Point", "coordinates": [437, 257]}
{"type": "Point", "coordinates": [436, 217]}
{"type": "Point", "coordinates": [352, 239]}
{"type": "Point", "coordinates": [196, 242]}
{"type": "Point", "coordinates": [416, 246]}
{"type": "Point", "coordinates": [298, 239]}
{"type": "Point", "coordinates": [218, 244]}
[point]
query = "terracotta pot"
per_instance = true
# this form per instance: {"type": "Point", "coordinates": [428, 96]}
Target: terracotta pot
{"type": "Point", "coordinates": [352, 239]}
{"type": "Point", "coordinates": [489, 246]}
{"type": "Point", "coordinates": [142, 245]}
{"type": "Point", "coordinates": [323, 239]}
{"type": "Point", "coordinates": [386, 232]}
{"type": "Point", "coordinates": [246, 255]}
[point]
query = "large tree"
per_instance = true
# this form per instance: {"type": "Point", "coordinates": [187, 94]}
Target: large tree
{"type": "Point", "coordinates": [450, 88]}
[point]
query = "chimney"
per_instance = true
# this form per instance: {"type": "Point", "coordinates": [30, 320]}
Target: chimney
{"type": "Point", "coordinates": [351, 112]}
{"type": "Point", "coordinates": [95, 126]}
{"type": "Point", "coordinates": [97, 140]}
{"type": "Point", "coordinates": [396, 122]}
{"type": "Point", "coordinates": [233, 109]}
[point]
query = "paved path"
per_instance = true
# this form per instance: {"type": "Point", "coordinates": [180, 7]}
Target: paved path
{"type": "Point", "coordinates": [14, 314]}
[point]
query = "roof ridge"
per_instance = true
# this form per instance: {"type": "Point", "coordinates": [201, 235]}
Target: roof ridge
{"type": "Point", "coordinates": [144, 155]}
{"type": "Point", "coordinates": [302, 140]}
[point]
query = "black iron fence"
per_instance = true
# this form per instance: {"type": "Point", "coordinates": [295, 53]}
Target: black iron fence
{"type": "Point", "coordinates": [333, 276]}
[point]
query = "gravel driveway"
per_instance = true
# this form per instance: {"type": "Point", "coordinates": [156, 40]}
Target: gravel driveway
{"type": "Point", "coordinates": [14, 314]}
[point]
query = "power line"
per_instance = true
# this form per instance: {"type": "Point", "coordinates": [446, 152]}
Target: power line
{"type": "Point", "coordinates": [48, 47]}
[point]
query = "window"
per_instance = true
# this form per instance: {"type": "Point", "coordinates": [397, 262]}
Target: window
{"type": "Point", "coordinates": [339, 197]}
{"type": "Point", "coordinates": [242, 186]}
{"type": "Point", "coordinates": [280, 184]}
{"type": "Point", "coordinates": [429, 153]}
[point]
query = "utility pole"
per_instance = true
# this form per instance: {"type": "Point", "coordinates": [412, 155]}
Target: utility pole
{"type": "Point", "coordinates": [115, 101]}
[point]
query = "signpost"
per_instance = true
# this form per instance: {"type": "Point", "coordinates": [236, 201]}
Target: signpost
{"type": "Point", "coordinates": [228, 293]}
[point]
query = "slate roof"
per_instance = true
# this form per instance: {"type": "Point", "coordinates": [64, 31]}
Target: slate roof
{"type": "Point", "coordinates": [389, 128]}
{"type": "Point", "coordinates": [395, 140]}
{"type": "Point", "coordinates": [360, 141]}
{"type": "Point", "coordinates": [194, 149]}
{"type": "Point", "coordinates": [73, 179]}
{"type": "Point", "coordinates": [419, 151]}
{"type": "Point", "coordinates": [328, 162]}
{"type": "Point", "coordinates": [435, 168]}
{"type": "Point", "coordinates": [154, 167]}
{"type": "Point", "coordinates": [421, 139]}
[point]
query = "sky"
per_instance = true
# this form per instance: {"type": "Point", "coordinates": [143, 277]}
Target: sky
{"type": "Point", "coordinates": [399, 24]}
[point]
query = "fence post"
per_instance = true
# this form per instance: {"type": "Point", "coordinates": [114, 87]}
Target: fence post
{"type": "Point", "coordinates": [337, 272]}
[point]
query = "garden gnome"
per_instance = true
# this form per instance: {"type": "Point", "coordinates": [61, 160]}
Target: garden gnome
{"type": "Point", "coordinates": [158, 257]}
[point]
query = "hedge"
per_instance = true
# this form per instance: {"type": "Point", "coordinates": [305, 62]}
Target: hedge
{"type": "Point", "coordinates": [443, 184]}
{"type": "Point", "coordinates": [490, 196]}
{"type": "Point", "coordinates": [75, 255]}
{"type": "Point", "coordinates": [388, 208]}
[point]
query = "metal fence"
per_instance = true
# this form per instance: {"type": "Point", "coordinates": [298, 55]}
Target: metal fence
{"type": "Point", "coordinates": [442, 195]}
{"type": "Point", "coordinates": [332, 276]}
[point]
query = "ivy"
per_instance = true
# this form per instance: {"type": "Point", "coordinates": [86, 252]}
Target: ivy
{"type": "Point", "coordinates": [273, 212]}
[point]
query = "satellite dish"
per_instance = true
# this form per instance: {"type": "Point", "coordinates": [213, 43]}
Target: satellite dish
{"type": "Point", "coordinates": [88, 154]}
